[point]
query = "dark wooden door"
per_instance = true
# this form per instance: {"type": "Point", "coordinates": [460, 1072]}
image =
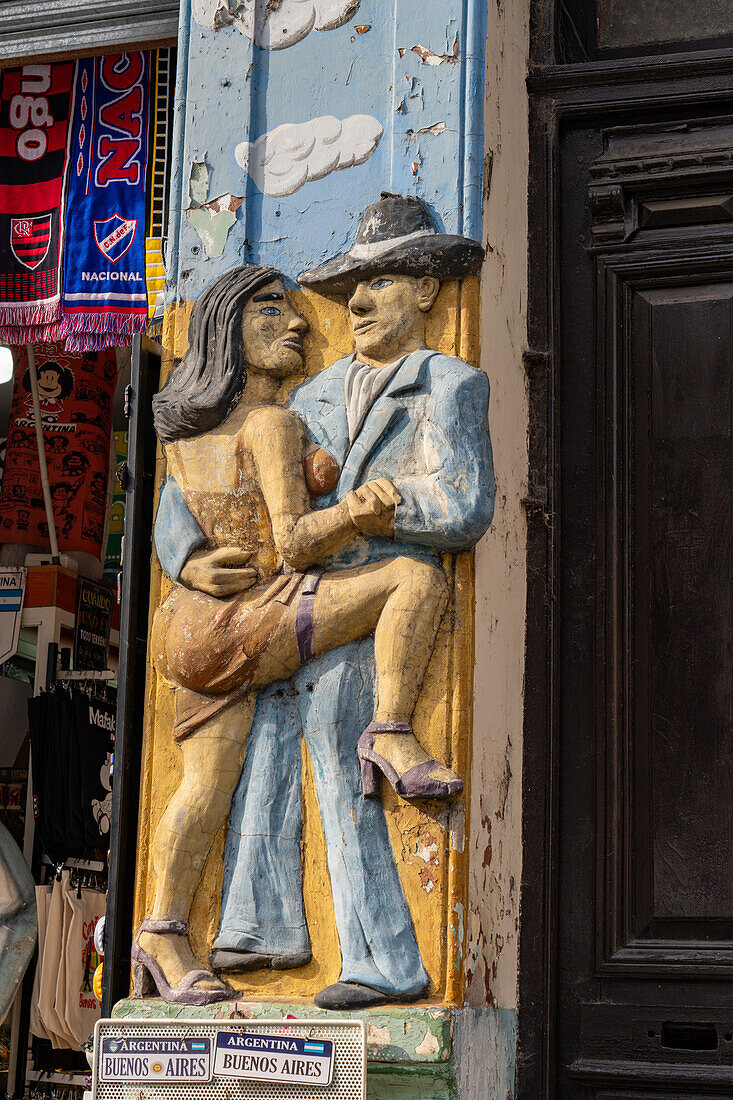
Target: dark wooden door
{"type": "Point", "coordinates": [644, 981]}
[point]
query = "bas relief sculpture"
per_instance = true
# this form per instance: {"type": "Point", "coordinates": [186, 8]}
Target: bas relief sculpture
{"type": "Point", "coordinates": [306, 539]}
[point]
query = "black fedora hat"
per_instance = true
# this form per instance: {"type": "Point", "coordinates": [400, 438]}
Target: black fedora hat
{"type": "Point", "coordinates": [397, 234]}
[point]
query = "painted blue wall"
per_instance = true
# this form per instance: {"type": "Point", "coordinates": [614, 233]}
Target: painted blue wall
{"type": "Point", "coordinates": [236, 91]}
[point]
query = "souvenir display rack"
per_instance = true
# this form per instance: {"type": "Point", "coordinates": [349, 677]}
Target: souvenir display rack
{"type": "Point", "coordinates": [47, 631]}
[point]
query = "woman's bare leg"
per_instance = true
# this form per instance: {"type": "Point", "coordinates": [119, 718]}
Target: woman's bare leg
{"type": "Point", "coordinates": [401, 602]}
{"type": "Point", "coordinates": [212, 765]}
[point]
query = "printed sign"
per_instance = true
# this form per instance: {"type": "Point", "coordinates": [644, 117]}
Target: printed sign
{"type": "Point", "coordinates": [94, 606]}
{"type": "Point", "coordinates": [12, 594]}
{"type": "Point", "coordinates": [155, 1060]}
{"type": "Point", "coordinates": [283, 1058]}
{"type": "Point", "coordinates": [230, 1058]}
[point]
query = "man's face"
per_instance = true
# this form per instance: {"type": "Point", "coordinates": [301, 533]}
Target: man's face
{"type": "Point", "coordinates": [272, 332]}
{"type": "Point", "coordinates": [388, 314]}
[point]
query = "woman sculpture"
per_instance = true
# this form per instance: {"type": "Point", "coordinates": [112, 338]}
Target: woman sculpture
{"type": "Point", "coordinates": [248, 472]}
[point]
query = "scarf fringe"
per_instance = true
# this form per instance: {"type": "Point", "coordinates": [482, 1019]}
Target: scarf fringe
{"type": "Point", "coordinates": [32, 334]}
{"type": "Point", "coordinates": [123, 324]}
{"type": "Point", "coordinates": [27, 315]}
{"type": "Point", "coordinates": [93, 331]}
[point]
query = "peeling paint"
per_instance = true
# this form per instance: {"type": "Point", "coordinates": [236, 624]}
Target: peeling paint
{"type": "Point", "coordinates": [211, 218]}
{"type": "Point", "coordinates": [378, 1037]}
{"type": "Point", "coordinates": [506, 778]}
{"type": "Point", "coordinates": [429, 57]}
{"type": "Point", "coordinates": [429, 1046]}
{"type": "Point", "coordinates": [459, 932]}
{"type": "Point", "coordinates": [436, 128]}
{"type": "Point", "coordinates": [457, 826]}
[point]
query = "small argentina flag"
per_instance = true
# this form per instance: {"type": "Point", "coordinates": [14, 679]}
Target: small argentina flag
{"type": "Point", "coordinates": [313, 1048]}
{"type": "Point", "coordinates": [197, 1044]}
{"type": "Point", "coordinates": [11, 599]}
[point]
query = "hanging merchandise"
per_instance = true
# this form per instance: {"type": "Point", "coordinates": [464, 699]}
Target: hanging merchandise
{"type": "Point", "coordinates": [49, 964]}
{"type": "Point", "coordinates": [49, 772]}
{"type": "Point", "coordinates": [104, 273]}
{"type": "Point", "coordinates": [163, 80]}
{"type": "Point", "coordinates": [43, 899]}
{"type": "Point", "coordinates": [76, 391]}
{"type": "Point", "coordinates": [35, 107]}
{"type": "Point", "coordinates": [72, 739]}
{"type": "Point", "coordinates": [95, 730]}
{"type": "Point", "coordinates": [59, 1003]}
{"type": "Point", "coordinates": [64, 1006]}
{"type": "Point", "coordinates": [82, 1006]}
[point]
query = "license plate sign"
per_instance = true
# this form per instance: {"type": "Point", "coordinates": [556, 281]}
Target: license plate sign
{"type": "Point", "coordinates": [283, 1058]}
{"type": "Point", "coordinates": [155, 1060]}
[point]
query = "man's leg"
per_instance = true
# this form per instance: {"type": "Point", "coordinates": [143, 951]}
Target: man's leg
{"type": "Point", "coordinates": [377, 937]}
{"type": "Point", "coordinates": [262, 903]}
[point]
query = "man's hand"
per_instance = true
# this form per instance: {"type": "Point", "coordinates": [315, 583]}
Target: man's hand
{"type": "Point", "coordinates": [220, 572]}
{"type": "Point", "coordinates": [372, 507]}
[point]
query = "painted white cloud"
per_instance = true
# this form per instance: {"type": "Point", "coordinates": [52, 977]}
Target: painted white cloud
{"type": "Point", "coordinates": [274, 24]}
{"type": "Point", "coordinates": [281, 161]}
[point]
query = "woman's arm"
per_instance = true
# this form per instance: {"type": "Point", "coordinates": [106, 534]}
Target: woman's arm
{"type": "Point", "coordinates": [276, 441]}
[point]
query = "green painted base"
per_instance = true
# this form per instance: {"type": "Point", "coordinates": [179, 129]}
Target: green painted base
{"type": "Point", "coordinates": [419, 1052]}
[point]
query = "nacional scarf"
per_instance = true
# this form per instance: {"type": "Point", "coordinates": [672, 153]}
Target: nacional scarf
{"type": "Point", "coordinates": [35, 107]}
{"type": "Point", "coordinates": [75, 392]}
{"type": "Point", "coordinates": [104, 268]}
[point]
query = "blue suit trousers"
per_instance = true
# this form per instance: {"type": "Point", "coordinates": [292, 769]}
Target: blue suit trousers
{"type": "Point", "coordinates": [328, 703]}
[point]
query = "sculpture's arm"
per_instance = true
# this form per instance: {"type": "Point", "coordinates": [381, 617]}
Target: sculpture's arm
{"type": "Point", "coordinates": [276, 440]}
{"type": "Point", "coordinates": [452, 505]}
{"type": "Point", "coordinates": [177, 534]}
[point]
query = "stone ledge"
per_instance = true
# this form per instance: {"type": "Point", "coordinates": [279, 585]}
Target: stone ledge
{"type": "Point", "coordinates": [415, 1035]}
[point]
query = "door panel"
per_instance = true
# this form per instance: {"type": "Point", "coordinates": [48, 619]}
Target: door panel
{"type": "Point", "coordinates": [681, 343]}
{"type": "Point", "coordinates": [645, 905]}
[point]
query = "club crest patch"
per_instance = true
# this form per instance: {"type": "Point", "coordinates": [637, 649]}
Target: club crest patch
{"type": "Point", "coordinates": [114, 236]}
{"type": "Point", "coordinates": [30, 239]}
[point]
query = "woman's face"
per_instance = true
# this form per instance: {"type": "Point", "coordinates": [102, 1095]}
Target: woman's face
{"type": "Point", "coordinates": [48, 382]}
{"type": "Point", "coordinates": [272, 332]}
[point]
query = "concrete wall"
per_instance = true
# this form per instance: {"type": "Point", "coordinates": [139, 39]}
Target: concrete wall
{"type": "Point", "coordinates": [495, 832]}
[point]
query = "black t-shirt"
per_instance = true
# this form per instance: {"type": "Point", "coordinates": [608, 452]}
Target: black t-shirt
{"type": "Point", "coordinates": [72, 739]}
{"type": "Point", "coordinates": [95, 729]}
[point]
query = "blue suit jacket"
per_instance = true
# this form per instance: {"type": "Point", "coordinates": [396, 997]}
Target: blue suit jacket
{"type": "Point", "coordinates": [427, 432]}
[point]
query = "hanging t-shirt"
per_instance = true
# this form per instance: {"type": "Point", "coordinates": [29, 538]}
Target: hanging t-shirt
{"type": "Point", "coordinates": [56, 775]}
{"type": "Point", "coordinates": [82, 959]}
{"type": "Point", "coordinates": [75, 391]}
{"type": "Point", "coordinates": [95, 727]}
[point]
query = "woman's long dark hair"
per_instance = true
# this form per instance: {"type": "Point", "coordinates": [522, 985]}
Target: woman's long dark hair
{"type": "Point", "coordinates": [209, 381]}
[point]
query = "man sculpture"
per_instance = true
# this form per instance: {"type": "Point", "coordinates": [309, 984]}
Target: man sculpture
{"type": "Point", "coordinates": [393, 413]}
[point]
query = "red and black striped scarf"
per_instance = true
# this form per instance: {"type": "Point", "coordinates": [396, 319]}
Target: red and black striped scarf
{"type": "Point", "coordinates": [35, 108]}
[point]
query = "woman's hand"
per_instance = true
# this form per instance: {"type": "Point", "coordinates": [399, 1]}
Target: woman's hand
{"type": "Point", "coordinates": [372, 507]}
{"type": "Point", "coordinates": [220, 572]}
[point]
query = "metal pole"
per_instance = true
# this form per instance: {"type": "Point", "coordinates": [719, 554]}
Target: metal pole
{"type": "Point", "coordinates": [42, 455]}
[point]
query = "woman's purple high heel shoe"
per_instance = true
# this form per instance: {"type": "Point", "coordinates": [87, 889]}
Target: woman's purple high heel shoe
{"type": "Point", "coordinates": [148, 974]}
{"type": "Point", "coordinates": [415, 783]}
